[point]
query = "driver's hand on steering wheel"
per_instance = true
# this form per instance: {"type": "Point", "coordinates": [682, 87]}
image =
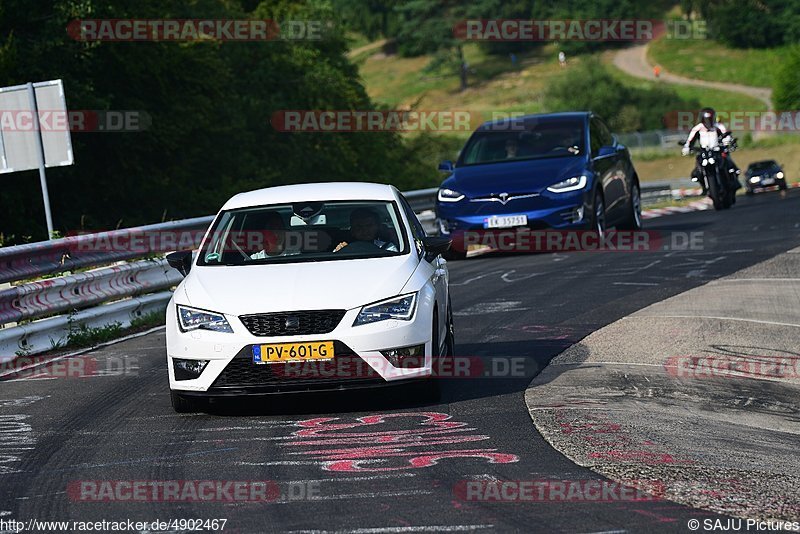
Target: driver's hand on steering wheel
{"type": "Point", "coordinates": [340, 246]}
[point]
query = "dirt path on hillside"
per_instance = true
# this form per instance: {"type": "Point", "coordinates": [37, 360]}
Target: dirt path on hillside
{"type": "Point", "coordinates": [366, 48]}
{"type": "Point", "coordinates": [633, 61]}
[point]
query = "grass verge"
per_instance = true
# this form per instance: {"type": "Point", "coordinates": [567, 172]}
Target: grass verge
{"type": "Point", "coordinates": [710, 60]}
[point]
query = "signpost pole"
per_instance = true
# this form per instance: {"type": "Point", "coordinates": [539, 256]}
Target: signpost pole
{"type": "Point", "coordinates": [40, 153]}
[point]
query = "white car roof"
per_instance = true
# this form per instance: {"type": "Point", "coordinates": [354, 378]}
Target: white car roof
{"type": "Point", "coordinates": [310, 193]}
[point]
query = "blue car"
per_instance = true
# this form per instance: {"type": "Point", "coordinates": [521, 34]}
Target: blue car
{"type": "Point", "coordinates": [555, 171]}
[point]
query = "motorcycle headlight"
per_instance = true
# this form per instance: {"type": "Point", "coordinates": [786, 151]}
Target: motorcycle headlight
{"type": "Point", "coordinates": [570, 184]}
{"type": "Point", "coordinates": [705, 162]}
{"type": "Point", "coordinates": [711, 160]}
{"type": "Point", "coordinates": [401, 308]}
{"type": "Point", "coordinates": [193, 319]}
{"type": "Point", "coordinates": [449, 195]}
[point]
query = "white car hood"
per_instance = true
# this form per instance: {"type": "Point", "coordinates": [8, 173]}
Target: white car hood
{"type": "Point", "coordinates": [341, 284]}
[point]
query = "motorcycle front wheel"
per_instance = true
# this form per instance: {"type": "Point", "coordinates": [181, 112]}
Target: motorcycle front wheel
{"type": "Point", "coordinates": [714, 190]}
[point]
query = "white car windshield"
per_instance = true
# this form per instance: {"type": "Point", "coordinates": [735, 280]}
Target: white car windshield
{"type": "Point", "coordinates": [305, 231]}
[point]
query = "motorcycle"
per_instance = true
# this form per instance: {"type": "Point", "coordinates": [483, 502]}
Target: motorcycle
{"type": "Point", "coordinates": [717, 174]}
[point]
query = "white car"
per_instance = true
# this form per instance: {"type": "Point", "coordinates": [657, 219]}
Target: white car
{"type": "Point", "coordinates": [305, 288]}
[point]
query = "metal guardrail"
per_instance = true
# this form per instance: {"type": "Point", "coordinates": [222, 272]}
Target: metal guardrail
{"type": "Point", "coordinates": [66, 254]}
{"type": "Point", "coordinates": [56, 295]}
{"type": "Point", "coordinates": [47, 334]}
{"type": "Point", "coordinates": [89, 290]}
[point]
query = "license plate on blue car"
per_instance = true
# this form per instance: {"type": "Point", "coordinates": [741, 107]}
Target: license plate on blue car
{"type": "Point", "coordinates": [505, 221]}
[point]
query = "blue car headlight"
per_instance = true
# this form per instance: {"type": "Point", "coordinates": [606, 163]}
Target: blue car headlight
{"type": "Point", "coordinates": [449, 195]}
{"type": "Point", "coordinates": [193, 319]}
{"type": "Point", "coordinates": [570, 184]}
{"type": "Point", "coordinates": [401, 308]}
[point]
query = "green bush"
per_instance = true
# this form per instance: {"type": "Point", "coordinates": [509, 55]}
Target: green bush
{"type": "Point", "coordinates": [755, 23]}
{"type": "Point", "coordinates": [786, 92]}
{"type": "Point", "coordinates": [590, 86]}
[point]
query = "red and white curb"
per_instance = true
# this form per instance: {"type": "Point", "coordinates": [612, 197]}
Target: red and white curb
{"type": "Point", "coordinates": [697, 205]}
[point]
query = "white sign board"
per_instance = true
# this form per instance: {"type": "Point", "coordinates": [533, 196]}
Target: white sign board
{"type": "Point", "coordinates": [19, 135]}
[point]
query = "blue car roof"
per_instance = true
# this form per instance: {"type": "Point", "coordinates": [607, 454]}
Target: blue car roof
{"type": "Point", "coordinates": [538, 117]}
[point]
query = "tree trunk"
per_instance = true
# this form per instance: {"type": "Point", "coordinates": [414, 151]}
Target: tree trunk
{"type": "Point", "coordinates": [462, 67]}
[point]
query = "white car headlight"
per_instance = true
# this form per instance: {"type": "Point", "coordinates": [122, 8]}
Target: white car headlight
{"type": "Point", "coordinates": [194, 319]}
{"type": "Point", "coordinates": [401, 308]}
{"type": "Point", "coordinates": [755, 180]}
{"type": "Point", "coordinates": [448, 195]}
{"type": "Point", "coordinates": [571, 184]}
{"type": "Point", "coordinates": [779, 175]}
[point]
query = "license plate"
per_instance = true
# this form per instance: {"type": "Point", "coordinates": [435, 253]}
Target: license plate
{"type": "Point", "coordinates": [293, 352]}
{"type": "Point", "coordinates": [506, 221]}
{"type": "Point", "coordinates": [769, 181]}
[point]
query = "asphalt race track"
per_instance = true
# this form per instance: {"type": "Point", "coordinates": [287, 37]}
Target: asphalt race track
{"type": "Point", "coordinates": [513, 313]}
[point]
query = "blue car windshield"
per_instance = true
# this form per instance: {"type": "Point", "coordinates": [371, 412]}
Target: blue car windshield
{"type": "Point", "coordinates": [524, 141]}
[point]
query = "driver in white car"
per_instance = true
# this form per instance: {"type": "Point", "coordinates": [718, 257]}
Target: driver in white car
{"type": "Point", "coordinates": [364, 226]}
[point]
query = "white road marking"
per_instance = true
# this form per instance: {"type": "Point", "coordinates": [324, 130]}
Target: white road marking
{"type": "Point", "coordinates": [635, 284]}
{"type": "Point", "coordinates": [728, 280]}
{"type": "Point", "coordinates": [351, 479]}
{"type": "Point", "coordinates": [290, 462]}
{"type": "Point", "coordinates": [486, 477]}
{"type": "Point", "coordinates": [380, 530]}
{"type": "Point", "coordinates": [776, 323]}
{"type": "Point", "coordinates": [15, 433]}
{"type": "Point", "coordinates": [24, 401]}
{"type": "Point", "coordinates": [492, 307]}
{"type": "Point", "coordinates": [468, 280]}
{"type": "Point", "coordinates": [366, 495]}
{"type": "Point", "coordinates": [82, 351]}
{"type": "Point", "coordinates": [505, 276]}
{"type": "Point", "coordinates": [593, 363]}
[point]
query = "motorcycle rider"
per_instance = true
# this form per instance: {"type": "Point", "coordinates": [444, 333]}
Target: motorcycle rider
{"type": "Point", "coordinates": [710, 134]}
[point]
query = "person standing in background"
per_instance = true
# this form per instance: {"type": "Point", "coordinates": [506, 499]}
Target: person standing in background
{"type": "Point", "coordinates": [562, 59]}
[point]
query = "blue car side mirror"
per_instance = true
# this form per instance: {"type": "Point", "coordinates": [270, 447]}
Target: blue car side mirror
{"type": "Point", "coordinates": [606, 151]}
{"type": "Point", "coordinates": [446, 166]}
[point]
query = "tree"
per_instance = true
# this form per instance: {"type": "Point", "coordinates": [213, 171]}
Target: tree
{"type": "Point", "coordinates": [589, 86]}
{"type": "Point", "coordinates": [786, 93]}
{"type": "Point", "coordinates": [209, 103]}
{"type": "Point", "coordinates": [428, 27]}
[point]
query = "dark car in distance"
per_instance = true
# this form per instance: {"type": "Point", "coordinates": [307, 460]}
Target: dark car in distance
{"type": "Point", "coordinates": [761, 174]}
{"type": "Point", "coordinates": [551, 171]}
